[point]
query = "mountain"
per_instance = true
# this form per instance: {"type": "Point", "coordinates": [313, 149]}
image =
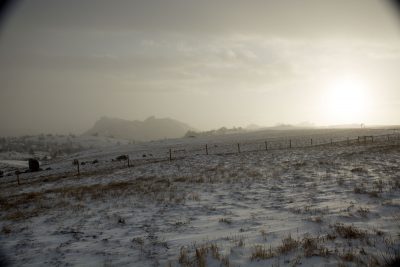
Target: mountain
{"type": "Point", "coordinates": [150, 129]}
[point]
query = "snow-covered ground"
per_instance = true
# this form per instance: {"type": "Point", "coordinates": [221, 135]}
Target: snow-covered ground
{"type": "Point", "coordinates": [325, 205]}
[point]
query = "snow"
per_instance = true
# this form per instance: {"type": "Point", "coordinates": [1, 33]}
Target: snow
{"type": "Point", "coordinates": [151, 213]}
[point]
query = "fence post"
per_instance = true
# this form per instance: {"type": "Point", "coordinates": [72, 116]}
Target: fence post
{"type": "Point", "coordinates": [170, 154]}
{"type": "Point", "coordinates": [76, 162]}
{"type": "Point", "coordinates": [206, 149]}
{"type": "Point", "coordinates": [311, 141]}
{"type": "Point", "coordinates": [17, 172]}
{"type": "Point", "coordinates": [266, 145]}
{"type": "Point", "coordinates": [290, 143]}
{"type": "Point", "coordinates": [238, 145]}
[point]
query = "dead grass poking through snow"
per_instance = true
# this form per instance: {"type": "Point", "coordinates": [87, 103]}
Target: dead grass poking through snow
{"type": "Point", "coordinates": [288, 244]}
{"type": "Point", "coordinates": [225, 220]}
{"type": "Point", "coordinates": [260, 252]}
{"type": "Point", "coordinates": [349, 231]}
{"type": "Point", "coordinates": [201, 254]}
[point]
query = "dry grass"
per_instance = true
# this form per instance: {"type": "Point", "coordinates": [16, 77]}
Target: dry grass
{"type": "Point", "coordinates": [310, 246]}
{"type": "Point", "coordinates": [184, 257]}
{"type": "Point", "coordinates": [261, 253]}
{"type": "Point", "coordinates": [263, 234]}
{"type": "Point", "coordinates": [391, 258]}
{"type": "Point", "coordinates": [379, 185]}
{"type": "Point", "coordinates": [348, 255]}
{"type": "Point", "coordinates": [225, 261]}
{"type": "Point", "coordinates": [19, 215]}
{"type": "Point", "coordinates": [349, 231]}
{"type": "Point", "coordinates": [200, 254]}
{"type": "Point", "coordinates": [27, 205]}
{"type": "Point", "coordinates": [360, 189]}
{"type": "Point", "coordinates": [363, 211]}
{"type": "Point", "coordinates": [288, 244]}
{"type": "Point", "coordinates": [225, 220]}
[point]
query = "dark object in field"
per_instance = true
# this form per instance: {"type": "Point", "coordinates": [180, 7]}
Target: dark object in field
{"type": "Point", "coordinates": [358, 169]}
{"type": "Point", "coordinates": [76, 163]}
{"type": "Point", "coordinates": [1, 173]}
{"type": "Point", "coordinates": [48, 169]}
{"type": "Point", "coordinates": [33, 165]}
{"type": "Point", "coordinates": [3, 260]}
{"type": "Point", "coordinates": [121, 220]}
{"type": "Point", "coordinates": [83, 163]}
{"type": "Point", "coordinates": [122, 157]}
{"type": "Point", "coordinates": [95, 161]}
{"type": "Point", "coordinates": [144, 155]}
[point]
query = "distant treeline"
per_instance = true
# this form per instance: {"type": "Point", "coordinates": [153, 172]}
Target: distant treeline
{"type": "Point", "coordinates": [51, 145]}
{"type": "Point", "coordinates": [220, 131]}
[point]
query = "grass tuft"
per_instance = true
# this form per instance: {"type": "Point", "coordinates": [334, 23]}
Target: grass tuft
{"type": "Point", "coordinates": [261, 253]}
{"type": "Point", "coordinates": [349, 231]}
{"type": "Point", "coordinates": [288, 244]}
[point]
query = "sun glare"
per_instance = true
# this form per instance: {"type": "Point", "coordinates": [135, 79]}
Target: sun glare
{"type": "Point", "coordinates": [346, 101]}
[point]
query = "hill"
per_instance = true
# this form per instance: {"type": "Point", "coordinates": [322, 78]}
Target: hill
{"type": "Point", "coordinates": [150, 129]}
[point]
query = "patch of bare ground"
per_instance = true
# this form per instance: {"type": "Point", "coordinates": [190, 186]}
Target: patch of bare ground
{"type": "Point", "coordinates": [27, 205]}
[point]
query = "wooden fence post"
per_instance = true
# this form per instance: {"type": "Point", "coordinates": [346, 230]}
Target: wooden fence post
{"type": "Point", "coordinates": [266, 145]}
{"type": "Point", "coordinates": [238, 145]}
{"type": "Point", "coordinates": [311, 141]}
{"type": "Point", "coordinates": [17, 172]}
{"type": "Point", "coordinates": [206, 149]}
{"type": "Point", "coordinates": [76, 162]}
{"type": "Point", "coordinates": [290, 143]}
{"type": "Point", "coordinates": [170, 154]}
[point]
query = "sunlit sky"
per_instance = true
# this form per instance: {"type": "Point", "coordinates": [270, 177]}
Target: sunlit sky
{"type": "Point", "coordinates": [209, 63]}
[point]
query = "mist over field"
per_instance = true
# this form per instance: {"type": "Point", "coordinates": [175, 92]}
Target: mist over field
{"type": "Point", "coordinates": [208, 64]}
{"type": "Point", "coordinates": [199, 133]}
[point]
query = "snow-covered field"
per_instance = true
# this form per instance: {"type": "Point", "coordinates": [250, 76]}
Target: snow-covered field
{"type": "Point", "coordinates": [325, 205]}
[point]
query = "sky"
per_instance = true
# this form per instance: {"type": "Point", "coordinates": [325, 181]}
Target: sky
{"type": "Point", "coordinates": [209, 63]}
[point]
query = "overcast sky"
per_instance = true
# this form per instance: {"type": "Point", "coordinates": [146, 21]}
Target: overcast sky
{"type": "Point", "coordinates": [209, 63]}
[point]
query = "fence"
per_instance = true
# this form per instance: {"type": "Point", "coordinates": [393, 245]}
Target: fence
{"type": "Point", "coordinates": [278, 144]}
{"type": "Point", "coordinates": [181, 151]}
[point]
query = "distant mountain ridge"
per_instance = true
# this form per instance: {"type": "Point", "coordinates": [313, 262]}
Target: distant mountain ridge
{"type": "Point", "coordinates": [150, 129]}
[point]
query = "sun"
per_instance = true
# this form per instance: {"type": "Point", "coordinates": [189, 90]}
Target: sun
{"type": "Point", "coordinates": [345, 101]}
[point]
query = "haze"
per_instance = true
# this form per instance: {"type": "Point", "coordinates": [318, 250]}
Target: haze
{"type": "Point", "coordinates": [64, 64]}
